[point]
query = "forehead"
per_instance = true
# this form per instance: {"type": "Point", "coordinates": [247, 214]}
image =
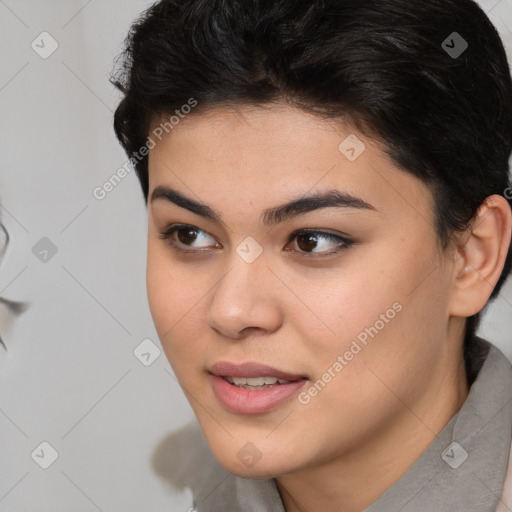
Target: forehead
{"type": "Point", "coordinates": [270, 153]}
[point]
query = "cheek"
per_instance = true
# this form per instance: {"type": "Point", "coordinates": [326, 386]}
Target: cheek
{"type": "Point", "coordinates": [360, 303]}
{"type": "Point", "coordinates": [159, 291]}
{"type": "Point", "coordinates": [382, 316]}
{"type": "Point", "coordinates": [168, 294]}
{"type": "Point", "coordinates": [177, 298]}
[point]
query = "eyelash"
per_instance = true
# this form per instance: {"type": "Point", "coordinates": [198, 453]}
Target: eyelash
{"type": "Point", "coordinates": [345, 243]}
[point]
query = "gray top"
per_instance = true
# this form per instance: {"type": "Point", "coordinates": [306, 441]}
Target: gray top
{"type": "Point", "coordinates": [464, 467]}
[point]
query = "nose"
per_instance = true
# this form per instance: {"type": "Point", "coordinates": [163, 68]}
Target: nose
{"type": "Point", "coordinates": [243, 301]}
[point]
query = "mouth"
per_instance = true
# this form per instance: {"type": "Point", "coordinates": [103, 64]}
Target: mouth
{"type": "Point", "coordinates": [252, 388]}
{"type": "Point", "coordinates": [256, 382]}
{"type": "Point", "coordinates": [251, 369]}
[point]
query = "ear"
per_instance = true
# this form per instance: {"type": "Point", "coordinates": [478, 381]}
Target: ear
{"type": "Point", "coordinates": [481, 256]}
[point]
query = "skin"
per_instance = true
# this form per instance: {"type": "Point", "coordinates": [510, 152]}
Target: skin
{"type": "Point", "coordinates": [361, 433]}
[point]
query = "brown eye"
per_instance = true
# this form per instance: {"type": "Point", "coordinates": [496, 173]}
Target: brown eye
{"type": "Point", "coordinates": [308, 241]}
{"type": "Point", "coordinates": [186, 236]}
{"type": "Point", "coordinates": [181, 236]}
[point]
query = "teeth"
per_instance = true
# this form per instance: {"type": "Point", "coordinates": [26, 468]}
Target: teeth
{"type": "Point", "coordinates": [255, 381]}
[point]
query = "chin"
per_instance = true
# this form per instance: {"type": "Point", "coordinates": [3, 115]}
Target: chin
{"type": "Point", "coordinates": [257, 472]}
{"type": "Point", "coordinates": [247, 464]}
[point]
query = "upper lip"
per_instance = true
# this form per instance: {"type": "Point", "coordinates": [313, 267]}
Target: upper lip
{"type": "Point", "coordinates": [250, 369]}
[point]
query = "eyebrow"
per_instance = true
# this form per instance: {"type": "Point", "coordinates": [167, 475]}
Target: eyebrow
{"type": "Point", "coordinates": [329, 199]}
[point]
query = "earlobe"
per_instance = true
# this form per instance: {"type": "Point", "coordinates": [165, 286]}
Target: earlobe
{"type": "Point", "coordinates": [482, 257]}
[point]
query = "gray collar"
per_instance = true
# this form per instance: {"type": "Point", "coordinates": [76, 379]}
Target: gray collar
{"type": "Point", "coordinates": [463, 469]}
{"type": "Point", "coordinates": [443, 479]}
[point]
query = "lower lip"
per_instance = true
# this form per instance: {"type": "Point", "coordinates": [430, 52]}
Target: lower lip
{"type": "Point", "coordinates": [253, 401]}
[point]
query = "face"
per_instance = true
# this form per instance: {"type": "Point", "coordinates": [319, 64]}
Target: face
{"type": "Point", "coordinates": [346, 294]}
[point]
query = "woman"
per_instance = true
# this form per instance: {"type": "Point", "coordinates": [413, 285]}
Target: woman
{"type": "Point", "coordinates": [329, 214]}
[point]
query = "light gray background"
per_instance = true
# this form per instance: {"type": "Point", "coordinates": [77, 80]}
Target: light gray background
{"type": "Point", "coordinates": [70, 377]}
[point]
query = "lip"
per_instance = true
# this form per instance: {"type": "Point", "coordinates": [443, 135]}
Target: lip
{"type": "Point", "coordinates": [252, 401]}
{"type": "Point", "coordinates": [250, 369]}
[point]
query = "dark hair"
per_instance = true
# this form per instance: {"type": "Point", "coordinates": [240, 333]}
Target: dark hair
{"type": "Point", "coordinates": [387, 67]}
